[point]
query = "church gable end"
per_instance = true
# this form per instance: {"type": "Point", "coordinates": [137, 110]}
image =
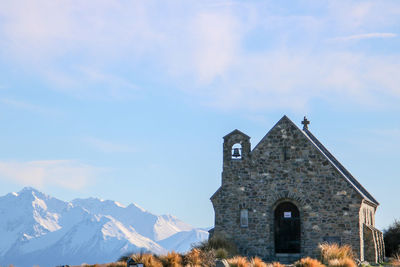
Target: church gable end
{"type": "Point", "coordinates": [289, 194]}
{"type": "Point", "coordinates": [286, 142]}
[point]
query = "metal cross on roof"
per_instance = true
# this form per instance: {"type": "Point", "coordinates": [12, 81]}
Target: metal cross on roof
{"type": "Point", "coordinates": [305, 122]}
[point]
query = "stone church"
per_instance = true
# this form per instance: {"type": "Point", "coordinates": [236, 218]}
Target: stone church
{"type": "Point", "coordinates": [288, 194]}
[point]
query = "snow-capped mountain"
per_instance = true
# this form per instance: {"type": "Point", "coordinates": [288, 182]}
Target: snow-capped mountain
{"type": "Point", "coordinates": [179, 241]}
{"type": "Point", "coordinates": [37, 229]}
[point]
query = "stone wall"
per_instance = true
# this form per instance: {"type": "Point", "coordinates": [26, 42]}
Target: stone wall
{"type": "Point", "coordinates": [367, 218]}
{"type": "Point", "coordinates": [285, 165]}
{"type": "Point", "coordinates": [373, 244]}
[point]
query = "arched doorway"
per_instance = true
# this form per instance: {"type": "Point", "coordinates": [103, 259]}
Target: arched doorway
{"type": "Point", "coordinates": [287, 228]}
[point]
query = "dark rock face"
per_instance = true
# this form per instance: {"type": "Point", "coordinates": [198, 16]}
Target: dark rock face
{"type": "Point", "coordinates": [287, 166]}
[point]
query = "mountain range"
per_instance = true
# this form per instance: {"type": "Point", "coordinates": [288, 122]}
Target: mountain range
{"type": "Point", "coordinates": [37, 229]}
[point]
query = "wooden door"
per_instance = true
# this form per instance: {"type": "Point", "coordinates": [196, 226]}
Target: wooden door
{"type": "Point", "coordinates": [287, 228]}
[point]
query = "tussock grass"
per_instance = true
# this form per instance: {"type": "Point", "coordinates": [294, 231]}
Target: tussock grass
{"type": "Point", "coordinates": [257, 262]}
{"type": "Point", "coordinates": [238, 261]}
{"type": "Point", "coordinates": [395, 260]}
{"type": "Point", "coordinates": [277, 264]}
{"type": "Point", "coordinates": [308, 262]}
{"type": "Point", "coordinates": [147, 259]}
{"type": "Point", "coordinates": [334, 255]}
{"type": "Point", "coordinates": [346, 262]}
{"type": "Point", "coordinates": [172, 259]}
{"type": "Point", "coordinates": [208, 258]}
{"type": "Point", "coordinates": [334, 251]}
{"type": "Point", "coordinates": [218, 242]}
{"type": "Point", "coordinates": [193, 258]}
{"type": "Point", "coordinates": [117, 264]}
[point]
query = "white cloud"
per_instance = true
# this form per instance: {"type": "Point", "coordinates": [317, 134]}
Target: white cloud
{"type": "Point", "coordinates": [290, 80]}
{"type": "Point", "coordinates": [202, 49]}
{"type": "Point", "coordinates": [68, 174]}
{"type": "Point", "coordinates": [365, 36]}
{"type": "Point", "coordinates": [215, 44]}
{"type": "Point", "coordinates": [91, 82]}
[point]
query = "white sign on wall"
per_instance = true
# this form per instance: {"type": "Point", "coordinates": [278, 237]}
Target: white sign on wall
{"type": "Point", "coordinates": [287, 214]}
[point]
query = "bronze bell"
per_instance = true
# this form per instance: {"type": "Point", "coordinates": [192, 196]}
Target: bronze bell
{"type": "Point", "coordinates": [236, 153]}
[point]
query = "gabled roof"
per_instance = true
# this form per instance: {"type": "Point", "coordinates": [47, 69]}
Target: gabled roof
{"type": "Point", "coordinates": [335, 163]}
{"type": "Point", "coordinates": [236, 131]}
{"type": "Point", "coordinates": [345, 173]}
{"type": "Point", "coordinates": [325, 153]}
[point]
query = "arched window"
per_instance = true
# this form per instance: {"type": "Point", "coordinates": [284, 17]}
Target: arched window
{"type": "Point", "coordinates": [244, 218]}
{"type": "Point", "coordinates": [237, 151]}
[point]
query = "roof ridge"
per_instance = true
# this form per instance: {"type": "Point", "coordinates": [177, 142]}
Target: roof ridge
{"type": "Point", "coordinates": [340, 167]}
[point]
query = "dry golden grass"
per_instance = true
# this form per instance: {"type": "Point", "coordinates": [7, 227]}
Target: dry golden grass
{"type": "Point", "coordinates": [346, 262]}
{"type": "Point", "coordinates": [334, 251]}
{"type": "Point", "coordinates": [117, 264]}
{"type": "Point", "coordinates": [172, 259]}
{"type": "Point", "coordinates": [257, 262]}
{"type": "Point", "coordinates": [217, 242]}
{"type": "Point", "coordinates": [207, 258]}
{"type": "Point", "coordinates": [238, 261]}
{"type": "Point", "coordinates": [395, 261]}
{"type": "Point", "coordinates": [193, 258]}
{"type": "Point", "coordinates": [147, 259]}
{"type": "Point", "coordinates": [275, 264]}
{"type": "Point", "coordinates": [308, 262]}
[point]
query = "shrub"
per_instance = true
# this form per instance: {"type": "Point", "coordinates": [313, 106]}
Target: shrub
{"type": "Point", "coordinates": [391, 237]}
{"type": "Point", "coordinates": [395, 261]}
{"type": "Point", "coordinates": [334, 251]}
{"type": "Point", "coordinates": [217, 242]}
{"type": "Point", "coordinates": [117, 264]}
{"type": "Point", "coordinates": [193, 258]}
{"type": "Point", "coordinates": [147, 259]}
{"type": "Point", "coordinates": [308, 262]}
{"type": "Point", "coordinates": [346, 262]}
{"type": "Point", "coordinates": [257, 262]}
{"type": "Point", "coordinates": [207, 258]}
{"type": "Point", "coordinates": [172, 259]}
{"type": "Point", "coordinates": [238, 261]}
{"type": "Point", "coordinates": [221, 253]}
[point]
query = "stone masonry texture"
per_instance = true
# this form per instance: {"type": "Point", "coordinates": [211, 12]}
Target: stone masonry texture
{"type": "Point", "coordinates": [287, 166]}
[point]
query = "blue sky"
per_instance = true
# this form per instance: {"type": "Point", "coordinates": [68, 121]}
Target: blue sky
{"type": "Point", "coordinates": [129, 100]}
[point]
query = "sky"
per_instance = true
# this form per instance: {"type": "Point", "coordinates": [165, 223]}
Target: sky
{"type": "Point", "coordinates": [129, 100]}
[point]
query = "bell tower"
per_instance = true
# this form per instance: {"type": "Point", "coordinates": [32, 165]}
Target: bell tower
{"type": "Point", "coordinates": [236, 148]}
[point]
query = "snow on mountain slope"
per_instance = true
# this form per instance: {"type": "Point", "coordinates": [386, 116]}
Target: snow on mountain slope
{"type": "Point", "coordinates": [152, 226]}
{"type": "Point", "coordinates": [180, 242]}
{"type": "Point", "coordinates": [26, 215]}
{"type": "Point", "coordinates": [168, 225]}
{"type": "Point", "coordinates": [37, 229]}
